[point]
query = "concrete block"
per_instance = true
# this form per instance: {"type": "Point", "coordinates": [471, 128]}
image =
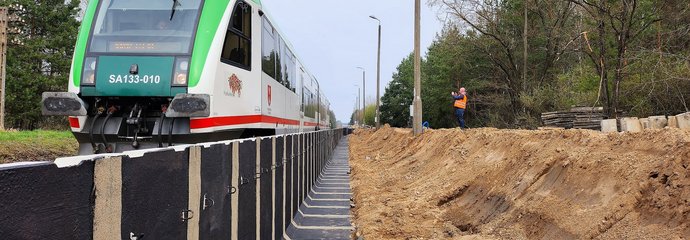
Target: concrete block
{"type": "Point", "coordinates": [645, 123]}
{"type": "Point", "coordinates": [657, 122]}
{"type": "Point", "coordinates": [683, 121]}
{"type": "Point", "coordinates": [672, 122]}
{"type": "Point", "coordinates": [609, 126]}
{"type": "Point", "coordinates": [632, 124]}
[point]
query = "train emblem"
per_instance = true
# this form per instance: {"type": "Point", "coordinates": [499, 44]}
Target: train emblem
{"type": "Point", "coordinates": [235, 85]}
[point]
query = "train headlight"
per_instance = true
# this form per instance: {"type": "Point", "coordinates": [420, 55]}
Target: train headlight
{"type": "Point", "coordinates": [90, 79]}
{"type": "Point", "coordinates": [181, 77]}
{"type": "Point", "coordinates": [88, 76]}
{"type": "Point", "coordinates": [184, 65]}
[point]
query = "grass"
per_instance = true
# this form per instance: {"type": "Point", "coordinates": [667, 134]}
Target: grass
{"type": "Point", "coordinates": [39, 145]}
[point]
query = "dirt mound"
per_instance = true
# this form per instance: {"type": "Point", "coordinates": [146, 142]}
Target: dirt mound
{"type": "Point", "coordinates": [515, 184]}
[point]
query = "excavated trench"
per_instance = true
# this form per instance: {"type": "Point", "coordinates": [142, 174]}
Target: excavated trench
{"type": "Point", "coordinates": [520, 184]}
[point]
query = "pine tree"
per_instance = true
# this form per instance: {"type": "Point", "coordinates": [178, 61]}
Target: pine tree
{"type": "Point", "coordinates": [39, 56]}
{"type": "Point", "coordinates": [396, 101]}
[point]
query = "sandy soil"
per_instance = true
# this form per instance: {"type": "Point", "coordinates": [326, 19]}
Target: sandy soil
{"type": "Point", "coordinates": [514, 184]}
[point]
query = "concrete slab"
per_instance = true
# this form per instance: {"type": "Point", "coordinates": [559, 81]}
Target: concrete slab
{"type": "Point", "coordinates": [683, 121]}
{"type": "Point", "coordinates": [325, 214]}
{"type": "Point", "coordinates": [609, 125]}
{"type": "Point", "coordinates": [657, 122]}
{"type": "Point", "coordinates": [631, 124]}
{"type": "Point", "coordinates": [623, 125]}
{"type": "Point", "coordinates": [322, 222]}
{"type": "Point", "coordinates": [645, 123]}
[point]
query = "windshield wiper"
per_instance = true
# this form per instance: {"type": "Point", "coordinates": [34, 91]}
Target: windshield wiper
{"type": "Point", "coordinates": [176, 3]}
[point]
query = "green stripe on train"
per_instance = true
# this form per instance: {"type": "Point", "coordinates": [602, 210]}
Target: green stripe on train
{"type": "Point", "coordinates": [82, 40]}
{"type": "Point", "coordinates": [211, 15]}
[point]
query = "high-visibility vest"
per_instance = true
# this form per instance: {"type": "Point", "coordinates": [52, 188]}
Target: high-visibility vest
{"type": "Point", "coordinates": [461, 103]}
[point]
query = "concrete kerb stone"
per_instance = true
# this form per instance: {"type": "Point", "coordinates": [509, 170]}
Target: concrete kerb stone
{"type": "Point", "coordinates": [622, 125]}
{"type": "Point", "coordinates": [645, 123]}
{"type": "Point", "coordinates": [657, 122]}
{"type": "Point", "coordinates": [609, 126]}
{"type": "Point", "coordinates": [683, 121]}
{"type": "Point", "coordinates": [632, 124]}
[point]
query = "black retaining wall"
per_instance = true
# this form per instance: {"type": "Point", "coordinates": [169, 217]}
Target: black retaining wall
{"type": "Point", "coordinates": [242, 189]}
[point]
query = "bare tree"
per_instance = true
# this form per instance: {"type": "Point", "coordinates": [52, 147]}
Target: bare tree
{"type": "Point", "coordinates": [491, 19]}
{"type": "Point", "coordinates": [627, 21]}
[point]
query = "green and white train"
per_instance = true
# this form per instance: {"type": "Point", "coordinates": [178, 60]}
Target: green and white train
{"type": "Point", "coordinates": [161, 72]}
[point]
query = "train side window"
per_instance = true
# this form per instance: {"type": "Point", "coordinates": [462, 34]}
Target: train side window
{"type": "Point", "coordinates": [237, 46]}
{"type": "Point", "coordinates": [292, 71]}
{"type": "Point", "coordinates": [303, 89]}
{"type": "Point", "coordinates": [279, 46]}
{"type": "Point", "coordinates": [268, 49]}
{"type": "Point", "coordinates": [288, 66]}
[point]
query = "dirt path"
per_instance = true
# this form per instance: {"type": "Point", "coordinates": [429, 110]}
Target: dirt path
{"type": "Point", "coordinates": [511, 184]}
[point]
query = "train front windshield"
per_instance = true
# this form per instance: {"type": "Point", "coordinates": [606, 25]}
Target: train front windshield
{"type": "Point", "coordinates": [145, 26]}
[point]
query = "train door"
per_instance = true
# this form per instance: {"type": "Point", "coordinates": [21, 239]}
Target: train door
{"type": "Point", "coordinates": [302, 99]}
{"type": "Point", "coordinates": [318, 106]}
{"type": "Point", "coordinates": [238, 68]}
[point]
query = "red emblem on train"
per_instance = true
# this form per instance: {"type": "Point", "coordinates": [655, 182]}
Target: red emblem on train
{"type": "Point", "coordinates": [235, 85]}
{"type": "Point", "coordinates": [269, 95]}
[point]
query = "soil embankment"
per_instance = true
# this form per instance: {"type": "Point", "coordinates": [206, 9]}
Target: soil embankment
{"type": "Point", "coordinates": [515, 184]}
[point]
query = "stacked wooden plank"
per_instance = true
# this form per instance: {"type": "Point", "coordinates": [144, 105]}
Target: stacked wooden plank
{"type": "Point", "coordinates": [577, 117]}
{"type": "Point", "coordinates": [588, 117]}
{"type": "Point", "coordinates": [558, 119]}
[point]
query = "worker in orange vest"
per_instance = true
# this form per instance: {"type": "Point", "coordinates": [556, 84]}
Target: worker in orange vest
{"type": "Point", "coordinates": [460, 105]}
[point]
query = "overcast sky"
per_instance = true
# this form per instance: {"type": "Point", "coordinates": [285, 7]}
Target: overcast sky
{"type": "Point", "coordinates": [333, 37]}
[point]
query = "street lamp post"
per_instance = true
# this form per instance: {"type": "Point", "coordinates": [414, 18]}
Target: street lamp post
{"type": "Point", "coordinates": [417, 118]}
{"type": "Point", "coordinates": [378, 75]}
{"type": "Point", "coordinates": [357, 102]}
{"type": "Point", "coordinates": [364, 92]}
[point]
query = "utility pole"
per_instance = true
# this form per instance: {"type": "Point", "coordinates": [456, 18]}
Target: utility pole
{"type": "Point", "coordinates": [417, 102]}
{"type": "Point", "coordinates": [378, 77]}
{"type": "Point", "coordinates": [364, 93]}
{"type": "Point", "coordinates": [4, 21]}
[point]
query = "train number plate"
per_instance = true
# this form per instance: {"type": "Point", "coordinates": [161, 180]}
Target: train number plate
{"type": "Point", "coordinates": [135, 79]}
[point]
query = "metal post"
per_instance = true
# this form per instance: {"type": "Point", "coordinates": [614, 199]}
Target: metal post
{"type": "Point", "coordinates": [417, 118]}
{"type": "Point", "coordinates": [358, 117]}
{"type": "Point", "coordinates": [4, 21]}
{"type": "Point", "coordinates": [359, 97]}
{"type": "Point", "coordinates": [378, 77]}
{"type": "Point", "coordinates": [364, 94]}
{"type": "Point", "coordinates": [378, 82]}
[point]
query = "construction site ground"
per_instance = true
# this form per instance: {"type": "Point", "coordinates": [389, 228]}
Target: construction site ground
{"type": "Point", "coordinates": [521, 184]}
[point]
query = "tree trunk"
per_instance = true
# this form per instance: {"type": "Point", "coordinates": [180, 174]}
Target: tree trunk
{"type": "Point", "coordinates": [604, 92]}
{"type": "Point", "coordinates": [619, 75]}
{"type": "Point", "coordinates": [524, 58]}
{"type": "Point", "coordinates": [622, 40]}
